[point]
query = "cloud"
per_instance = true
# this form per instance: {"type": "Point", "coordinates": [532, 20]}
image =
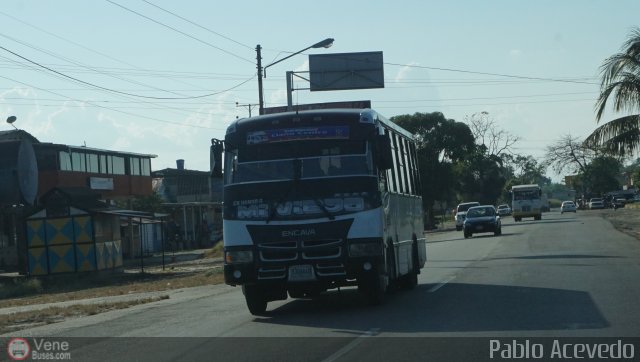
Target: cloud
{"type": "Point", "coordinates": [403, 72]}
{"type": "Point", "coordinates": [515, 53]}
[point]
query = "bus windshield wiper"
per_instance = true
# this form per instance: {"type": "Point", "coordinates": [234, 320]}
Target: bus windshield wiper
{"type": "Point", "coordinates": [297, 174]}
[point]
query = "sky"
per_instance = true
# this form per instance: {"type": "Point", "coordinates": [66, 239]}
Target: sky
{"type": "Point", "coordinates": [165, 77]}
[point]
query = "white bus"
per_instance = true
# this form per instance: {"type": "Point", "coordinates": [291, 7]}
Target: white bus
{"type": "Point", "coordinates": [317, 200]}
{"type": "Point", "coordinates": [527, 202]}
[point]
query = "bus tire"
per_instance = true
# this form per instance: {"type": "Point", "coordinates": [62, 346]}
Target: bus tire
{"type": "Point", "coordinates": [410, 280]}
{"type": "Point", "coordinates": [256, 301]}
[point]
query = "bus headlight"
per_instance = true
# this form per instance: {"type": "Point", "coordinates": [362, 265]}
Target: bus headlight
{"type": "Point", "coordinates": [365, 249]}
{"type": "Point", "coordinates": [238, 256]}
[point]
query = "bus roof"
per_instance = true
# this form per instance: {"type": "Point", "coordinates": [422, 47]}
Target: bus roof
{"type": "Point", "coordinates": [355, 113]}
{"type": "Point", "coordinates": [530, 186]}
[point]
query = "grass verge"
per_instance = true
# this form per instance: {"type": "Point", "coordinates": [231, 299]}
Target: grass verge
{"type": "Point", "coordinates": [21, 320]}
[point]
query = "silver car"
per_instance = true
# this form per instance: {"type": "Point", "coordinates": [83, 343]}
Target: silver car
{"type": "Point", "coordinates": [461, 211]}
{"type": "Point", "coordinates": [567, 206]}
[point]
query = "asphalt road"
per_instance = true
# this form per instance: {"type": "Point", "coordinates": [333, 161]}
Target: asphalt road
{"type": "Point", "coordinates": [570, 275]}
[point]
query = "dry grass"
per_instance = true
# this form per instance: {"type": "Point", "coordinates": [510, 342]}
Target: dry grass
{"type": "Point", "coordinates": [22, 291]}
{"type": "Point", "coordinates": [30, 291]}
{"type": "Point", "coordinates": [21, 320]}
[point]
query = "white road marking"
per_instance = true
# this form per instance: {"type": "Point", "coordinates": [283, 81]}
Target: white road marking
{"type": "Point", "coordinates": [346, 349]}
{"type": "Point", "coordinates": [440, 285]}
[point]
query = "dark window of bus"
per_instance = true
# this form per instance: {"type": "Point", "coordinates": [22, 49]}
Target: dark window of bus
{"type": "Point", "coordinates": [406, 166]}
{"type": "Point", "coordinates": [397, 152]}
{"type": "Point", "coordinates": [416, 174]}
{"type": "Point", "coordinates": [393, 185]}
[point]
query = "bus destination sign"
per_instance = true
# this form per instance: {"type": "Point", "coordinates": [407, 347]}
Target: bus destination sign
{"type": "Point", "coordinates": [298, 134]}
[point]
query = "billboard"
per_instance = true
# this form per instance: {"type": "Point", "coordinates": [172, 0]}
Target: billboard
{"type": "Point", "coordinates": [342, 71]}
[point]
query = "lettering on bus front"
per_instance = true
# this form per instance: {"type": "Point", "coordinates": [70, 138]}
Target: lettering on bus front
{"type": "Point", "coordinates": [301, 207]}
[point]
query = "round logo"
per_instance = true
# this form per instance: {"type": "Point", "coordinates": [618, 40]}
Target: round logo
{"type": "Point", "coordinates": [18, 349]}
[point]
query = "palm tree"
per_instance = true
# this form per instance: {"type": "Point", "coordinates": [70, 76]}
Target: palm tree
{"type": "Point", "coordinates": [621, 82]}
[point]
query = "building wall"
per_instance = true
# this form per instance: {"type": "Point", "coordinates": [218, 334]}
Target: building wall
{"type": "Point", "coordinates": [68, 244]}
{"type": "Point", "coordinates": [123, 185]}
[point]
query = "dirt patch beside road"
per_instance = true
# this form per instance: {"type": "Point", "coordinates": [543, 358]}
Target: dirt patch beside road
{"type": "Point", "coordinates": [626, 219]}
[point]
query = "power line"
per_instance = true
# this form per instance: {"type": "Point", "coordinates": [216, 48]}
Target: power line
{"type": "Point", "coordinates": [486, 73]}
{"type": "Point", "coordinates": [116, 91]}
{"type": "Point", "coordinates": [198, 25]}
{"type": "Point", "coordinates": [80, 45]}
{"type": "Point", "coordinates": [109, 108]}
{"type": "Point", "coordinates": [181, 32]}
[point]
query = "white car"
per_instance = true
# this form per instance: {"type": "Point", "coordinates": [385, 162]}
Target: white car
{"type": "Point", "coordinates": [504, 210]}
{"type": "Point", "coordinates": [596, 203]}
{"type": "Point", "coordinates": [567, 206]}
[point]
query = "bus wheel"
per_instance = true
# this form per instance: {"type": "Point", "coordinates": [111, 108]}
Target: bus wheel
{"type": "Point", "coordinates": [256, 301]}
{"type": "Point", "coordinates": [410, 280]}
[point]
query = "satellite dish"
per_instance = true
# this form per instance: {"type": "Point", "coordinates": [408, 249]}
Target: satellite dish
{"type": "Point", "coordinates": [12, 119]}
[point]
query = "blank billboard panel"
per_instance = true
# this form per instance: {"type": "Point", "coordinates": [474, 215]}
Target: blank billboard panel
{"type": "Point", "coordinates": [343, 71]}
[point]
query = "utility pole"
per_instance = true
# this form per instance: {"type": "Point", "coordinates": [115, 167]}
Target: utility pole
{"type": "Point", "coordinates": [259, 59]}
{"type": "Point", "coordinates": [248, 106]}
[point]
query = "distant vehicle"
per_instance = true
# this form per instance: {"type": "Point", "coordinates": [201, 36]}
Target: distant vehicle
{"type": "Point", "coordinates": [482, 219]}
{"type": "Point", "coordinates": [461, 211]}
{"type": "Point", "coordinates": [596, 203]}
{"type": "Point", "coordinates": [567, 206]}
{"type": "Point", "coordinates": [527, 201]}
{"type": "Point", "coordinates": [619, 202]}
{"type": "Point", "coordinates": [504, 210]}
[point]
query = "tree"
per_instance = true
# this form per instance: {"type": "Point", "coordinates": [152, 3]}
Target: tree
{"type": "Point", "coordinates": [569, 154]}
{"type": "Point", "coordinates": [620, 81]}
{"type": "Point", "coordinates": [525, 169]}
{"type": "Point", "coordinates": [151, 203]}
{"type": "Point", "coordinates": [441, 142]}
{"type": "Point", "coordinates": [601, 175]}
{"type": "Point", "coordinates": [481, 177]}
{"type": "Point", "coordinates": [487, 133]}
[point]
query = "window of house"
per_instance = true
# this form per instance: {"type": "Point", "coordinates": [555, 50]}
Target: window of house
{"type": "Point", "coordinates": [134, 166]}
{"type": "Point", "coordinates": [92, 163]}
{"type": "Point", "coordinates": [78, 162]}
{"type": "Point", "coordinates": [65, 161]}
{"type": "Point", "coordinates": [146, 167]}
{"type": "Point", "coordinates": [118, 165]}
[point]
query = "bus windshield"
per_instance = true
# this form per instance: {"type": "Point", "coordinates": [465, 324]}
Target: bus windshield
{"type": "Point", "coordinates": [316, 159]}
{"type": "Point", "coordinates": [526, 195]}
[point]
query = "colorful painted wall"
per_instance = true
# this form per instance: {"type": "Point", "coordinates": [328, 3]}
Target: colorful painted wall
{"type": "Point", "coordinates": [67, 245]}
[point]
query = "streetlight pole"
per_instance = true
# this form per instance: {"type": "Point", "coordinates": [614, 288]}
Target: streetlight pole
{"type": "Point", "coordinates": [322, 44]}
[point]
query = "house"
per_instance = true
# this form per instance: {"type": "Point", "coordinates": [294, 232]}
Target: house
{"type": "Point", "coordinates": [31, 169]}
{"type": "Point", "coordinates": [194, 201]}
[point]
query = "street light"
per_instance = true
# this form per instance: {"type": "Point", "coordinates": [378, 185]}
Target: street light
{"type": "Point", "coordinates": [323, 44]}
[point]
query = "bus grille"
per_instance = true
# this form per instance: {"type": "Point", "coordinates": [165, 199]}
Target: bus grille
{"type": "Point", "coordinates": [324, 255]}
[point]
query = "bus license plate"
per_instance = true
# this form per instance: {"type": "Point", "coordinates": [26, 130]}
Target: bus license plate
{"type": "Point", "coordinates": [298, 273]}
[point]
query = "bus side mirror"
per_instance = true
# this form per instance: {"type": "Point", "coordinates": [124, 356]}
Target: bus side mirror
{"type": "Point", "coordinates": [383, 156]}
{"type": "Point", "coordinates": [215, 157]}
